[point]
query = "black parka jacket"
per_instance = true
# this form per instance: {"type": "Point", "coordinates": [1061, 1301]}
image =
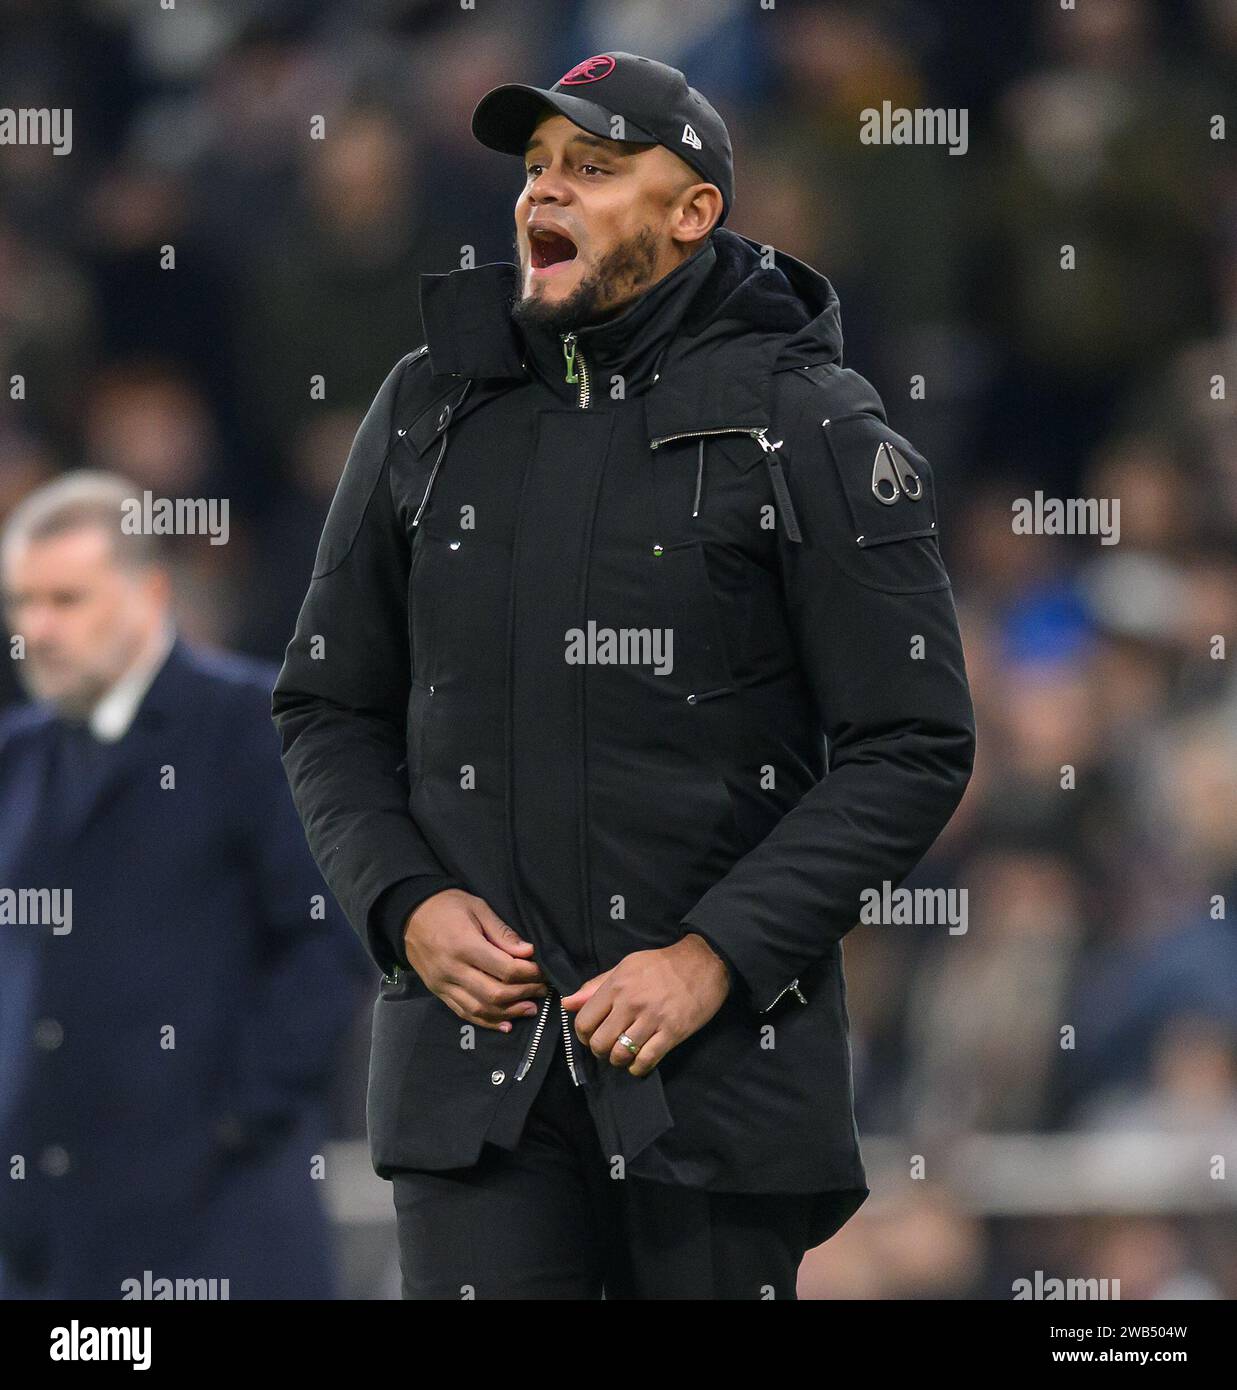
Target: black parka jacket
{"type": "Point", "coordinates": [614, 631]}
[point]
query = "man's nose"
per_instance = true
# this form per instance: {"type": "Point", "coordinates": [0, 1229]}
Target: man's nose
{"type": "Point", "coordinates": [548, 187]}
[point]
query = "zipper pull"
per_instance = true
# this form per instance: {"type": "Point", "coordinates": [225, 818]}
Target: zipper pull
{"type": "Point", "coordinates": [572, 375]}
{"type": "Point", "coordinates": [785, 507]}
{"type": "Point", "coordinates": [759, 437]}
{"type": "Point", "coordinates": [538, 1029]}
{"type": "Point", "coordinates": [791, 988]}
{"type": "Point", "coordinates": [577, 1077]}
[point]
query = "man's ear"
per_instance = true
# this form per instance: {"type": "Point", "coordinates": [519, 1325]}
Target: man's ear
{"type": "Point", "coordinates": [698, 213]}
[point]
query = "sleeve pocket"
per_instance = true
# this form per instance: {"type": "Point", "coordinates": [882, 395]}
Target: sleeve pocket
{"type": "Point", "coordinates": [888, 483]}
{"type": "Point", "coordinates": [890, 496]}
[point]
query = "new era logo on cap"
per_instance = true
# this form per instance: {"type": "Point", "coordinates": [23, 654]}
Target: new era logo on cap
{"type": "Point", "coordinates": [653, 100]}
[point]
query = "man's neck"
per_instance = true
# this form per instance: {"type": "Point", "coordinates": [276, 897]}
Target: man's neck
{"type": "Point", "coordinates": [114, 711]}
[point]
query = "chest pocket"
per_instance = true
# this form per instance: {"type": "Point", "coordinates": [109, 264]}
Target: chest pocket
{"type": "Point", "coordinates": [702, 668]}
{"type": "Point", "coordinates": [425, 441]}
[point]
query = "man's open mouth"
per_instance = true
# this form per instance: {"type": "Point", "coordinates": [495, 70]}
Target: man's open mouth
{"type": "Point", "coordinates": [548, 248]}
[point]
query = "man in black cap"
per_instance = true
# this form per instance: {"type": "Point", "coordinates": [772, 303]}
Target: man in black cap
{"type": "Point", "coordinates": [628, 664]}
{"type": "Point", "coordinates": [655, 139]}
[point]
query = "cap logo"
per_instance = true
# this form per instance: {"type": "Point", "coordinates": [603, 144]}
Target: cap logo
{"type": "Point", "coordinates": [690, 137]}
{"type": "Point", "coordinates": [590, 70]}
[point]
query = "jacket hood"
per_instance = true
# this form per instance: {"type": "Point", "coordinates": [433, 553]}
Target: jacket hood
{"type": "Point", "coordinates": [747, 321]}
{"type": "Point", "coordinates": [788, 298]}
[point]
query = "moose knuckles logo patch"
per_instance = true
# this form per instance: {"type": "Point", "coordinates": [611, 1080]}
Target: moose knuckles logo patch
{"type": "Point", "coordinates": [590, 70]}
{"type": "Point", "coordinates": [893, 477]}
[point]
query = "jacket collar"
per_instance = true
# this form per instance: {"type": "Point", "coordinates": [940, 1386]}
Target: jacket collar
{"type": "Point", "coordinates": [470, 332]}
{"type": "Point", "coordinates": [724, 322]}
{"type": "Point", "coordinates": [631, 343]}
{"type": "Point", "coordinates": [165, 701]}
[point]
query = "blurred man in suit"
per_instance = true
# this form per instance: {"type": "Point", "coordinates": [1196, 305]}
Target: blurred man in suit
{"type": "Point", "coordinates": [174, 979]}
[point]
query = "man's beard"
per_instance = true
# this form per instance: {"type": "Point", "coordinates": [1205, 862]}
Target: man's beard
{"type": "Point", "coordinates": [72, 696]}
{"type": "Point", "coordinates": [621, 274]}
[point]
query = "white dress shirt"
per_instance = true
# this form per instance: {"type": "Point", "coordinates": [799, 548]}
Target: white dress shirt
{"type": "Point", "coordinates": [112, 715]}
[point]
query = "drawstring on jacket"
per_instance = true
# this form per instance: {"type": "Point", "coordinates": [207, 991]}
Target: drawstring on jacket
{"type": "Point", "coordinates": [442, 449]}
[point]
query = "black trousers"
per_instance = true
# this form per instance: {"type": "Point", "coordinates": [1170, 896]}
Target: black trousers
{"type": "Point", "coordinates": [549, 1221]}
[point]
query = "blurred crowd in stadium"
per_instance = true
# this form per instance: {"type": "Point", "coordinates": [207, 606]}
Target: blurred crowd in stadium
{"type": "Point", "coordinates": [1092, 909]}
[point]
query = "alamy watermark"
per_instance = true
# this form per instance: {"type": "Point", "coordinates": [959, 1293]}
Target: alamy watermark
{"type": "Point", "coordinates": [149, 515]}
{"type": "Point", "coordinates": [78, 1342]}
{"type": "Point", "coordinates": [1052, 1289]}
{"type": "Point", "coordinates": [151, 1289]}
{"type": "Point", "coordinates": [1068, 516]}
{"type": "Point", "coordinates": [621, 646]}
{"type": "Point", "coordinates": [37, 125]}
{"type": "Point", "coordinates": [888, 906]}
{"type": "Point", "coordinates": [899, 125]}
{"type": "Point", "coordinates": [37, 907]}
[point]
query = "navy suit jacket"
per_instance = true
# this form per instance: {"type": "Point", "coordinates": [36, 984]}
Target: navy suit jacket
{"type": "Point", "coordinates": [163, 1064]}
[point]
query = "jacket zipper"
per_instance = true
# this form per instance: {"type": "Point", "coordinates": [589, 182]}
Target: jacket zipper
{"type": "Point", "coordinates": [697, 434]}
{"type": "Point", "coordinates": [527, 1063]}
{"type": "Point", "coordinates": [785, 507]}
{"type": "Point", "coordinates": [793, 986]}
{"type": "Point", "coordinates": [575, 358]}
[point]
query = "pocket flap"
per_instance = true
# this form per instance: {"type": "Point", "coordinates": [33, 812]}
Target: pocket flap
{"type": "Point", "coordinates": [432, 420]}
{"type": "Point", "coordinates": [887, 481]}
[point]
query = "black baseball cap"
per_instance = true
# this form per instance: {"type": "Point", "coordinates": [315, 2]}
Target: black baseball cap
{"type": "Point", "coordinates": [656, 105]}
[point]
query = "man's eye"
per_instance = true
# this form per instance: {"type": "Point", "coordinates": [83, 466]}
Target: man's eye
{"type": "Point", "coordinates": [534, 169]}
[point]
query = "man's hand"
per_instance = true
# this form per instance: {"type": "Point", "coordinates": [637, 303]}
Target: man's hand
{"type": "Point", "coordinates": [658, 998]}
{"type": "Point", "coordinates": [472, 960]}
